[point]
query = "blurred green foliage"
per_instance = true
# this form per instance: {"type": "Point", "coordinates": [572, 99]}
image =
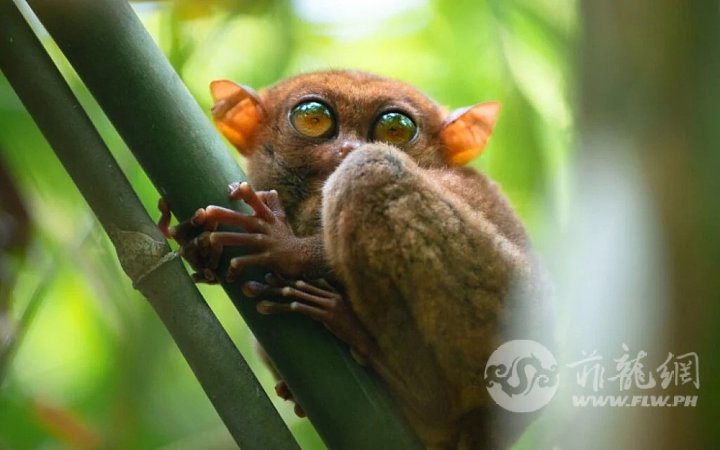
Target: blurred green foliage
{"type": "Point", "coordinates": [96, 368]}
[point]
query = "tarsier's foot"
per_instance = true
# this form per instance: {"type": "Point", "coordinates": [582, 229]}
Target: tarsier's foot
{"type": "Point", "coordinates": [317, 300]}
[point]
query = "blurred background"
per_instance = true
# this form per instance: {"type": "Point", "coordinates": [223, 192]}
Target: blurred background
{"type": "Point", "coordinates": [604, 146]}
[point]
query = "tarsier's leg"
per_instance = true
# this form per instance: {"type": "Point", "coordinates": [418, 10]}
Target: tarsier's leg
{"type": "Point", "coordinates": [424, 277]}
{"type": "Point", "coordinates": [413, 257]}
{"type": "Point", "coordinates": [424, 274]}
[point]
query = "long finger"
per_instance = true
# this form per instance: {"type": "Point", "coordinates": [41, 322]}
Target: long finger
{"type": "Point", "coordinates": [313, 289]}
{"type": "Point", "coordinates": [318, 287]}
{"type": "Point", "coordinates": [229, 217]}
{"type": "Point", "coordinates": [187, 230]}
{"type": "Point", "coordinates": [268, 307]}
{"type": "Point", "coordinates": [255, 289]}
{"type": "Point", "coordinates": [272, 200]}
{"type": "Point", "coordinates": [231, 238]}
{"type": "Point", "coordinates": [246, 193]}
{"type": "Point", "coordinates": [239, 263]}
{"type": "Point", "coordinates": [218, 240]}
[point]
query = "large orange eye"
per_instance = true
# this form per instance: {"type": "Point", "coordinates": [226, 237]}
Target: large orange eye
{"type": "Point", "coordinates": [312, 119]}
{"type": "Point", "coordinates": [394, 128]}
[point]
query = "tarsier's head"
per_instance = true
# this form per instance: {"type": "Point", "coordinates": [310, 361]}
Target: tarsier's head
{"type": "Point", "coordinates": [295, 133]}
{"type": "Point", "coordinates": [328, 114]}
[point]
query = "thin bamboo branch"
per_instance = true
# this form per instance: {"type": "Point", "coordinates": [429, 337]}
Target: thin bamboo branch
{"type": "Point", "coordinates": [141, 248]}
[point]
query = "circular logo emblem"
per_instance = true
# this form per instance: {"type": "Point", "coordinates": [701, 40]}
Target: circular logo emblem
{"type": "Point", "coordinates": [521, 376]}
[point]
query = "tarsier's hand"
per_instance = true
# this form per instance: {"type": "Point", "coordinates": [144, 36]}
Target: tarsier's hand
{"type": "Point", "coordinates": [267, 235]}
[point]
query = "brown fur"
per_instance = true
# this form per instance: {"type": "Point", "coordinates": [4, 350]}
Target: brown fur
{"type": "Point", "coordinates": [425, 252]}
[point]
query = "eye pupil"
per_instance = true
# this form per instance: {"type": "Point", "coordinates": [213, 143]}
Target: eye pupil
{"type": "Point", "coordinates": [394, 128]}
{"type": "Point", "coordinates": [312, 119]}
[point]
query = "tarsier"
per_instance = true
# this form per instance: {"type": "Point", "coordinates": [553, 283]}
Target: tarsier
{"type": "Point", "coordinates": [367, 221]}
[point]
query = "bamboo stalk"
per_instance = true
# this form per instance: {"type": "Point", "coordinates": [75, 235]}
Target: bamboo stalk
{"type": "Point", "coordinates": [142, 250]}
{"type": "Point", "coordinates": [188, 163]}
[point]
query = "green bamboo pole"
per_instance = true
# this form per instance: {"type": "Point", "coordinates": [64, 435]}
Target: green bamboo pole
{"type": "Point", "coordinates": [189, 164]}
{"type": "Point", "coordinates": [142, 250]}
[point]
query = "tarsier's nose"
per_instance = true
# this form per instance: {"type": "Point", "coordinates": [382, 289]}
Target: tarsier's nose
{"type": "Point", "coordinates": [347, 146]}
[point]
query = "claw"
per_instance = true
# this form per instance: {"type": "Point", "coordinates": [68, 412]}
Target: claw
{"type": "Point", "coordinates": [233, 186]}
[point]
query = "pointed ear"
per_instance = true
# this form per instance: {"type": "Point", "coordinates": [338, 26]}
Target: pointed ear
{"type": "Point", "coordinates": [237, 112]}
{"type": "Point", "coordinates": [467, 130]}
